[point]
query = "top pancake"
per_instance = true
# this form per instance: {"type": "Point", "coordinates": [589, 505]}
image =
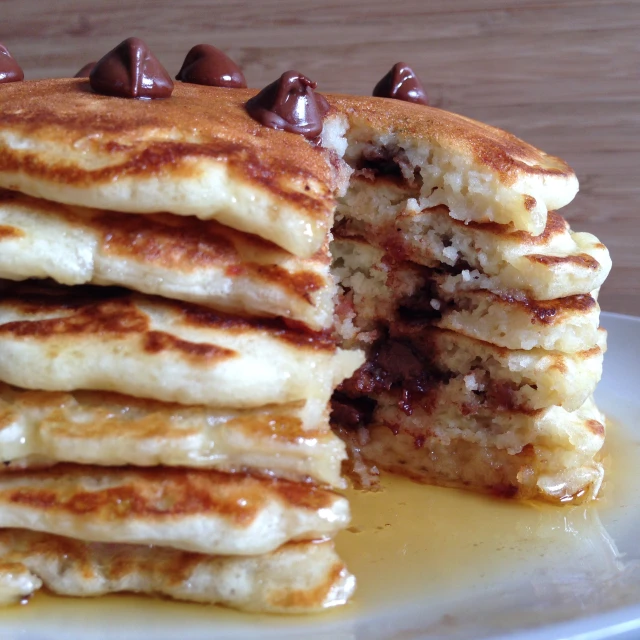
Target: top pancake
{"type": "Point", "coordinates": [481, 173]}
{"type": "Point", "coordinates": [197, 153]}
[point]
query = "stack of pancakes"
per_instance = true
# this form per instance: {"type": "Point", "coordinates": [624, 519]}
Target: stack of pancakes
{"type": "Point", "coordinates": [476, 305]}
{"type": "Point", "coordinates": [174, 321]}
{"type": "Point", "coordinates": [166, 377]}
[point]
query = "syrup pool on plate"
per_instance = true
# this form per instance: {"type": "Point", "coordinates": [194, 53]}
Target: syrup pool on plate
{"type": "Point", "coordinates": [412, 542]}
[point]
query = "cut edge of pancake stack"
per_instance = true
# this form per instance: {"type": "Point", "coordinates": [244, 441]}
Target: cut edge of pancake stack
{"type": "Point", "coordinates": [164, 401]}
{"type": "Point", "coordinates": [475, 303]}
{"type": "Point", "coordinates": [165, 379]}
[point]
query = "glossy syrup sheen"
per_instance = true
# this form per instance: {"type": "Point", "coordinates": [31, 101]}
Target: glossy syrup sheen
{"type": "Point", "coordinates": [407, 543]}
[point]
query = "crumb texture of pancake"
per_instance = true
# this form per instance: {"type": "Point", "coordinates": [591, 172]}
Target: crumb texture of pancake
{"type": "Point", "coordinates": [549, 454]}
{"type": "Point", "coordinates": [466, 388]}
{"type": "Point", "coordinates": [555, 264]}
{"type": "Point", "coordinates": [476, 306]}
{"type": "Point", "coordinates": [192, 510]}
{"type": "Point", "coordinates": [455, 302]}
{"type": "Point", "coordinates": [42, 428]}
{"type": "Point", "coordinates": [176, 257]}
{"type": "Point", "coordinates": [196, 154]}
{"type": "Point", "coordinates": [301, 577]}
{"type": "Point", "coordinates": [61, 339]}
{"type": "Point", "coordinates": [482, 174]}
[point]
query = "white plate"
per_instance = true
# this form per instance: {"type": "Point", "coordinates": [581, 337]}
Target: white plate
{"type": "Point", "coordinates": [437, 563]}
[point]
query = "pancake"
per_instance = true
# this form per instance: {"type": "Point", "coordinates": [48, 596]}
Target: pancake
{"type": "Point", "coordinates": [409, 356]}
{"type": "Point", "coordinates": [41, 428]}
{"type": "Point", "coordinates": [549, 454]}
{"type": "Point", "coordinates": [482, 174]}
{"type": "Point", "coordinates": [176, 257]}
{"type": "Point", "coordinates": [299, 577]}
{"type": "Point", "coordinates": [555, 264]}
{"type": "Point", "coordinates": [375, 284]}
{"type": "Point", "coordinates": [568, 324]}
{"type": "Point", "coordinates": [62, 339]}
{"type": "Point", "coordinates": [192, 510]}
{"type": "Point", "coordinates": [196, 154]}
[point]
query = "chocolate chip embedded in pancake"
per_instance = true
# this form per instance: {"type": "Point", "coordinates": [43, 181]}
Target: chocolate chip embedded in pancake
{"type": "Point", "coordinates": [385, 288]}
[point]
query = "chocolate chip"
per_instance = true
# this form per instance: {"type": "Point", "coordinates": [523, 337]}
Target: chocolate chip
{"type": "Point", "coordinates": [401, 83]}
{"type": "Point", "coordinates": [131, 71]}
{"type": "Point", "coordinates": [205, 64]}
{"type": "Point", "coordinates": [10, 70]}
{"type": "Point", "coordinates": [290, 103]}
{"type": "Point", "coordinates": [86, 70]}
{"type": "Point", "coordinates": [399, 361]}
{"type": "Point", "coordinates": [351, 412]}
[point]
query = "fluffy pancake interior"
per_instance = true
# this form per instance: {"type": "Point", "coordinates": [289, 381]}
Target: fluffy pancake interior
{"type": "Point", "coordinates": [480, 173]}
{"type": "Point", "coordinates": [482, 341]}
{"type": "Point", "coordinates": [554, 264]}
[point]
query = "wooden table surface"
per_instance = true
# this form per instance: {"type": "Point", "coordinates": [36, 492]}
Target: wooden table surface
{"type": "Point", "coordinates": [563, 75]}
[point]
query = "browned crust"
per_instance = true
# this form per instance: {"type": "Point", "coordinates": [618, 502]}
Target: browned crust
{"type": "Point", "coordinates": [290, 331]}
{"type": "Point", "coordinates": [548, 312]}
{"type": "Point", "coordinates": [159, 341]}
{"type": "Point", "coordinates": [160, 493]}
{"type": "Point", "coordinates": [556, 225]}
{"type": "Point", "coordinates": [65, 110]}
{"type": "Point", "coordinates": [503, 153]}
{"type": "Point", "coordinates": [10, 233]}
{"type": "Point", "coordinates": [188, 244]}
{"type": "Point", "coordinates": [582, 260]}
{"type": "Point", "coordinates": [112, 318]}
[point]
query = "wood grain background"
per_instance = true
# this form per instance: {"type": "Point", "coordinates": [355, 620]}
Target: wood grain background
{"type": "Point", "coordinates": [563, 75]}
